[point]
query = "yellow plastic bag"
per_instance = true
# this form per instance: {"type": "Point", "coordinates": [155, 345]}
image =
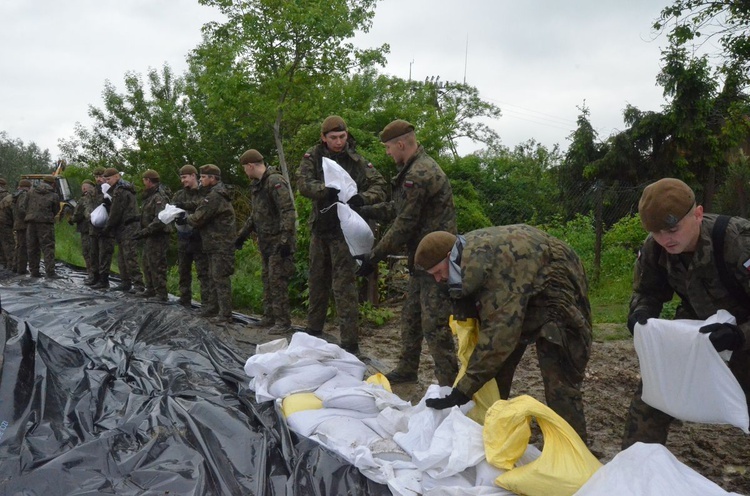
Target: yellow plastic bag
{"type": "Point", "coordinates": [468, 336]}
{"type": "Point", "coordinates": [565, 463]}
{"type": "Point", "coordinates": [379, 379]}
{"type": "Point", "coordinates": [300, 401]}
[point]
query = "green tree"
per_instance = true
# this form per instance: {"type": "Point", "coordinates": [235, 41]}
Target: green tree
{"type": "Point", "coordinates": [17, 157]}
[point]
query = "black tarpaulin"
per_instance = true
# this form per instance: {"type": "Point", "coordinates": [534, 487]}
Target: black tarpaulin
{"type": "Point", "coordinates": [105, 393]}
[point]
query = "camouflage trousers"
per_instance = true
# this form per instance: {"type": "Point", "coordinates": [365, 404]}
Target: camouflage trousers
{"type": "Point", "coordinates": [185, 259]}
{"type": "Point", "coordinates": [219, 291]}
{"type": "Point", "coordinates": [332, 269]}
{"type": "Point", "coordinates": [562, 373]}
{"type": "Point", "coordinates": [155, 263]}
{"type": "Point", "coordinates": [86, 252]}
{"type": "Point", "coordinates": [40, 242]}
{"type": "Point", "coordinates": [127, 258]}
{"type": "Point", "coordinates": [8, 247]}
{"type": "Point", "coordinates": [102, 250]}
{"type": "Point", "coordinates": [22, 253]}
{"type": "Point", "coordinates": [425, 315]}
{"type": "Point", "coordinates": [646, 424]}
{"type": "Point", "coordinates": [276, 273]}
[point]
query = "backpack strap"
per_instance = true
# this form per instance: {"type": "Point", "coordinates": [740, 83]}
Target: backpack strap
{"type": "Point", "coordinates": [718, 233]}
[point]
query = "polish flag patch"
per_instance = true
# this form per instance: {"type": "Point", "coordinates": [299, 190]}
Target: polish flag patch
{"type": "Point", "coordinates": [747, 264]}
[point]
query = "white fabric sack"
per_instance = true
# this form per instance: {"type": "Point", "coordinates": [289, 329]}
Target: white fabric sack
{"type": "Point", "coordinates": [105, 190]}
{"type": "Point", "coordinates": [170, 213]}
{"type": "Point", "coordinates": [648, 470]}
{"type": "Point", "coordinates": [357, 232]}
{"type": "Point", "coordinates": [99, 216]}
{"type": "Point", "coordinates": [334, 176]}
{"type": "Point", "coordinates": [684, 376]}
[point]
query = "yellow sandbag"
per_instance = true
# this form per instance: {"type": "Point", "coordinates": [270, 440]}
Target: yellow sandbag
{"type": "Point", "coordinates": [300, 401]}
{"type": "Point", "coordinates": [468, 336]}
{"type": "Point", "coordinates": [379, 379]}
{"type": "Point", "coordinates": [565, 463]}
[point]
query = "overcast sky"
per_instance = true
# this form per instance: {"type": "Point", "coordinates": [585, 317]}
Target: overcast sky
{"type": "Point", "coordinates": [538, 60]}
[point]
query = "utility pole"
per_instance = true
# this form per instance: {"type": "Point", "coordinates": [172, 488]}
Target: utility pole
{"type": "Point", "coordinates": [410, 64]}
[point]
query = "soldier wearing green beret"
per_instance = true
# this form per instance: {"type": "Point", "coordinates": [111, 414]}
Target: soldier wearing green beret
{"type": "Point", "coordinates": [101, 246]}
{"type": "Point", "coordinates": [20, 204]}
{"type": "Point", "coordinates": [81, 218]}
{"type": "Point", "coordinates": [705, 260]}
{"type": "Point", "coordinates": [6, 226]}
{"type": "Point", "coordinates": [42, 206]}
{"type": "Point", "coordinates": [155, 236]}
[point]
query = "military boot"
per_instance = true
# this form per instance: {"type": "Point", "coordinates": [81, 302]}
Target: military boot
{"type": "Point", "coordinates": [279, 329]}
{"type": "Point", "coordinates": [145, 293]}
{"type": "Point", "coordinates": [91, 280]}
{"type": "Point", "coordinates": [400, 376]}
{"type": "Point", "coordinates": [123, 286]}
{"type": "Point", "coordinates": [102, 283]}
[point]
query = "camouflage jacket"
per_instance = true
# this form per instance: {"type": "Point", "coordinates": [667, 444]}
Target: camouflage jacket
{"type": "Point", "coordinates": [20, 203]}
{"type": "Point", "coordinates": [422, 203]}
{"type": "Point", "coordinates": [659, 275]}
{"type": "Point", "coordinates": [189, 240]}
{"type": "Point", "coordinates": [526, 285]}
{"type": "Point", "coordinates": [273, 216]}
{"type": "Point", "coordinates": [82, 213]}
{"type": "Point", "coordinates": [214, 217]}
{"type": "Point", "coordinates": [371, 185]}
{"type": "Point", "coordinates": [124, 209]}
{"type": "Point", "coordinates": [42, 204]}
{"type": "Point", "coordinates": [153, 201]}
{"type": "Point", "coordinates": [6, 210]}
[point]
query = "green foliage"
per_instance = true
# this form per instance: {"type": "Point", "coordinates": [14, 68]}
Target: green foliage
{"type": "Point", "coordinates": [247, 282]}
{"type": "Point", "coordinates": [627, 233]}
{"type": "Point", "coordinates": [377, 316]}
{"type": "Point", "coordinates": [17, 157]}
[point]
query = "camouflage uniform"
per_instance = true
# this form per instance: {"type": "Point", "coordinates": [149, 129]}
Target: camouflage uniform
{"type": "Point", "coordinates": [659, 275]}
{"type": "Point", "coordinates": [6, 229]}
{"type": "Point", "coordinates": [331, 265]}
{"type": "Point", "coordinates": [102, 246]}
{"type": "Point", "coordinates": [155, 234]}
{"type": "Point", "coordinates": [528, 287]}
{"type": "Point", "coordinates": [82, 219]}
{"type": "Point", "coordinates": [273, 218]}
{"type": "Point", "coordinates": [123, 222]}
{"type": "Point", "coordinates": [189, 250]}
{"type": "Point", "coordinates": [20, 203]}
{"type": "Point", "coordinates": [214, 218]}
{"type": "Point", "coordinates": [422, 203]}
{"type": "Point", "coordinates": [42, 206]}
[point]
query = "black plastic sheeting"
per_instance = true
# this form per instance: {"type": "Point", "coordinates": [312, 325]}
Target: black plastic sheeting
{"type": "Point", "coordinates": [105, 393]}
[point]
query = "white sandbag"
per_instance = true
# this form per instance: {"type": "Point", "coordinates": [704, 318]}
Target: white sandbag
{"type": "Point", "coordinates": [169, 213]}
{"type": "Point", "coordinates": [298, 379]}
{"type": "Point", "coordinates": [684, 376]}
{"type": "Point", "coordinates": [99, 216]}
{"type": "Point", "coordinates": [334, 176]}
{"type": "Point", "coordinates": [357, 232]}
{"type": "Point", "coordinates": [648, 470]}
{"type": "Point", "coordinates": [306, 421]}
{"type": "Point", "coordinates": [364, 398]}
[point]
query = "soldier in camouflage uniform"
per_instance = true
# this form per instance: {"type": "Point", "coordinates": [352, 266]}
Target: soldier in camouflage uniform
{"type": "Point", "coordinates": [332, 266]}
{"type": "Point", "coordinates": [189, 246]}
{"type": "Point", "coordinates": [81, 218]}
{"type": "Point", "coordinates": [214, 218]}
{"type": "Point", "coordinates": [680, 256]}
{"type": "Point", "coordinates": [102, 243]}
{"type": "Point", "coordinates": [155, 234]}
{"type": "Point", "coordinates": [273, 219]}
{"type": "Point", "coordinates": [7, 246]}
{"type": "Point", "coordinates": [422, 203]}
{"type": "Point", "coordinates": [42, 207]}
{"type": "Point", "coordinates": [524, 286]}
{"type": "Point", "coordinates": [20, 203]}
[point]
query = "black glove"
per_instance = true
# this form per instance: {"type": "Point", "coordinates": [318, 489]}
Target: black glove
{"type": "Point", "coordinates": [367, 267]}
{"type": "Point", "coordinates": [332, 194]}
{"type": "Point", "coordinates": [239, 242]}
{"type": "Point", "coordinates": [181, 219]}
{"type": "Point", "coordinates": [70, 221]}
{"type": "Point", "coordinates": [355, 202]}
{"type": "Point", "coordinates": [464, 308]}
{"type": "Point", "coordinates": [640, 317]}
{"type": "Point", "coordinates": [107, 231]}
{"type": "Point", "coordinates": [724, 336]}
{"type": "Point", "coordinates": [285, 250]}
{"type": "Point", "coordinates": [365, 211]}
{"type": "Point", "coordinates": [456, 398]}
{"type": "Point", "coordinates": [179, 205]}
{"type": "Point", "coordinates": [107, 202]}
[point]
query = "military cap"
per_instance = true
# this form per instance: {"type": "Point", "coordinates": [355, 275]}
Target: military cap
{"type": "Point", "coordinates": [188, 169]}
{"type": "Point", "coordinates": [48, 179]}
{"type": "Point", "coordinates": [110, 171]}
{"type": "Point", "coordinates": [24, 183]}
{"type": "Point", "coordinates": [332, 123]}
{"type": "Point", "coordinates": [150, 174]}
{"type": "Point", "coordinates": [395, 129]}
{"type": "Point", "coordinates": [251, 156]}
{"type": "Point", "coordinates": [433, 249]}
{"type": "Point", "coordinates": [99, 171]}
{"type": "Point", "coordinates": [664, 203]}
{"type": "Point", "coordinates": [88, 181]}
{"type": "Point", "coordinates": [211, 170]}
{"type": "Point", "coordinates": [3, 182]}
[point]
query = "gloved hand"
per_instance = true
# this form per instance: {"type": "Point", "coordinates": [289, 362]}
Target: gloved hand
{"type": "Point", "coordinates": [640, 317]}
{"type": "Point", "coordinates": [285, 250]}
{"type": "Point", "coordinates": [724, 336]}
{"type": "Point", "coordinates": [107, 231]}
{"type": "Point", "coordinates": [455, 398]}
{"type": "Point", "coordinates": [70, 222]}
{"type": "Point", "coordinates": [179, 205]}
{"type": "Point", "coordinates": [238, 242]}
{"type": "Point", "coordinates": [181, 219]}
{"type": "Point", "coordinates": [355, 202]}
{"type": "Point", "coordinates": [464, 308]}
{"type": "Point", "coordinates": [367, 267]}
{"type": "Point", "coordinates": [332, 194]}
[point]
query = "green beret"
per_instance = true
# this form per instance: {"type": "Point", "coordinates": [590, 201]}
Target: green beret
{"type": "Point", "coordinates": [88, 181]}
{"type": "Point", "coordinates": [24, 183]}
{"type": "Point", "coordinates": [664, 203]}
{"type": "Point", "coordinates": [188, 169]}
{"type": "Point", "coordinates": [210, 170]}
{"type": "Point", "coordinates": [433, 249]}
{"type": "Point", "coordinates": [99, 171]}
{"type": "Point", "coordinates": [333, 123]}
{"type": "Point", "coordinates": [151, 174]}
{"type": "Point", "coordinates": [251, 156]}
{"type": "Point", "coordinates": [395, 129]}
{"type": "Point", "coordinates": [110, 171]}
{"type": "Point", "coordinates": [48, 179]}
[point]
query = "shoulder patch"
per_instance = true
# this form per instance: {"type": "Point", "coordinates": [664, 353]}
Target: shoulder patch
{"type": "Point", "coordinates": [408, 184]}
{"type": "Point", "coordinates": [205, 200]}
{"type": "Point", "coordinates": [747, 264]}
{"type": "Point", "coordinates": [278, 185]}
{"type": "Point", "coordinates": [369, 165]}
{"type": "Point", "coordinates": [307, 155]}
